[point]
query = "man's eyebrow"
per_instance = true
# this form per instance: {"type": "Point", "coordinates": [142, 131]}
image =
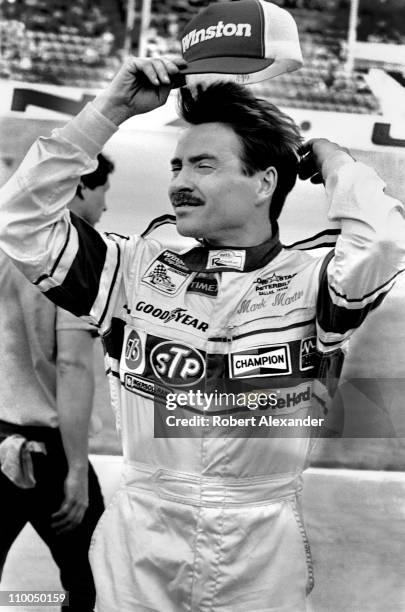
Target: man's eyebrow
{"type": "Point", "coordinates": [194, 159]}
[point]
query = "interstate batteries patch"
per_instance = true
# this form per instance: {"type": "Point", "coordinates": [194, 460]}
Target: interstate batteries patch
{"type": "Point", "coordinates": [167, 274]}
{"type": "Point", "coordinates": [273, 283]}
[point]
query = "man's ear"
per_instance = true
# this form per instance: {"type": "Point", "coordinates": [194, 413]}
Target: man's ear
{"type": "Point", "coordinates": [268, 182]}
{"type": "Point", "coordinates": [79, 190]}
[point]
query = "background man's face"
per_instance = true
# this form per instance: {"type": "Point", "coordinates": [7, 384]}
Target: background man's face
{"type": "Point", "coordinates": [211, 196]}
{"type": "Point", "coordinates": [94, 203]}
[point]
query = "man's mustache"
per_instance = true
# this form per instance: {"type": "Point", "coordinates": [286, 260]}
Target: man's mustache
{"type": "Point", "coordinates": [179, 198]}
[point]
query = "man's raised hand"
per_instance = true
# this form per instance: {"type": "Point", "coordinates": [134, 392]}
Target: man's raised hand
{"type": "Point", "coordinates": [313, 155]}
{"type": "Point", "coordinates": [141, 85]}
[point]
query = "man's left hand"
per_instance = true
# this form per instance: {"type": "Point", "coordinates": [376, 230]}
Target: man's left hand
{"type": "Point", "coordinates": [313, 155]}
{"type": "Point", "coordinates": [75, 503]}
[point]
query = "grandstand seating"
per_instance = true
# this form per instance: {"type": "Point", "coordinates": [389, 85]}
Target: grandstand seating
{"type": "Point", "coordinates": [79, 43]}
{"type": "Point", "coordinates": [62, 43]}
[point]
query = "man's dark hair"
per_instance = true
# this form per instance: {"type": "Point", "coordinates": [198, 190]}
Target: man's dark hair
{"type": "Point", "coordinates": [98, 177]}
{"type": "Point", "coordinates": [268, 136]}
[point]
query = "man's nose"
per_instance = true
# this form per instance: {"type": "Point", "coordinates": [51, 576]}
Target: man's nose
{"type": "Point", "coordinates": [182, 179]}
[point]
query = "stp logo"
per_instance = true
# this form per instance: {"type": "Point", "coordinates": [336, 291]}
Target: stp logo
{"type": "Point", "coordinates": [133, 350]}
{"type": "Point", "coordinates": [177, 364]}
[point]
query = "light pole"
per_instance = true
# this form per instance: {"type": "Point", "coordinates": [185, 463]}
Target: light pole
{"type": "Point", "coordinates": [129, 27]}
{"type": "Point", "coordinates": [144, 27]}
{"type": "Point", "coordinates": [352, 36]}
{"type": "Point", "coordinates": [145, 21]}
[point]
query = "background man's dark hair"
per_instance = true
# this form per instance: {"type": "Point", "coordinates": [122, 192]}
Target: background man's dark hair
{"type": "Point", "coordinates": [98, 177]}
{"type": "Point", "coordinates": [268, 136]}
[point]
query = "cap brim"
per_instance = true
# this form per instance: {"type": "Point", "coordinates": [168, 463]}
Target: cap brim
{"type": "Point", "coordinates": [227, 65]}
{"type": "Point", "coordinates": [249, 70]}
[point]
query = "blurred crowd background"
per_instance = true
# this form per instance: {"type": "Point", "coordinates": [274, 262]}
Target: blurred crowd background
{"type": "Point", "coordinates": [82, 43]}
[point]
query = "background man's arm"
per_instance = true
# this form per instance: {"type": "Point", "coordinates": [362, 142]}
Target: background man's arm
{"type": "Point", "coordinates": [75, 390]}
{"type": "Point", "coordinates": [67, 259]}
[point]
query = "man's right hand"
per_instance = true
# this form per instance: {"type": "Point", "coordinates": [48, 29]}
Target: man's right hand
{"type": "Point", "coordinates": [75, 503]}
{"type": "Point", "coordinates": [141, 85]}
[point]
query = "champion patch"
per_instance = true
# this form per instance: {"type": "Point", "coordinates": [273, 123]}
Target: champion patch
{"type": "Point", "coordinates": [167, 274]}
{"type": "Point", "coordinates": [226, 258]}
{"type": "Point", "coordinates": [261, 361]}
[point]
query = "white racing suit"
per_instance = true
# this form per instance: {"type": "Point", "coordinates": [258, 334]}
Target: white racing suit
{"type": "Point", "coordinates": [207, 518]}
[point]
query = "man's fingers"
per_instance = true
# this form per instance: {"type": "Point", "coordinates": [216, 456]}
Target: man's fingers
{"type": "Point", "coordinates": [149, 71]}
{"type": "Point", "coordinates": [307, 166]}
{"type": "Point", "coordinates": [68, 524]}
{"type": "Point", "coordinates": [62, 523]}
{"type": "Point", "coordinates": [69, 507]}
{"type": "Point", "coordinates": [65, 508]}
{"type": "Point", "coordinates": [158, 71]}
{"type": "Point", "coordinates": [305, 148]}
{"type": "Point", "coordinates": [68, 517]}
{"type": "Point", "coordinates": [174, 65]}
{"type": "Point", "coordinates": [312, 156]}
{"type": "Point", "coordinates": [317, 179]}
{"type": "Point", "coordinates": [162, 71]}
{"type": "Point", "coordinates": [178, 60]}
{"type": "Point", "coordinates": [177, 79]}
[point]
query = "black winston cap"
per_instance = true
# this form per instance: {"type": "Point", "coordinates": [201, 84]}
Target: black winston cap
{"type": "Point", "coordinates": [245, 41]}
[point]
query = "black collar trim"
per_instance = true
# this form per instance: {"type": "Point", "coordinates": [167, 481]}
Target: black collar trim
{"type": "Point", "coordinates": [207, 258]}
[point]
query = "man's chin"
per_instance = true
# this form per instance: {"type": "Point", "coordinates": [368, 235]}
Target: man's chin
{"type": "Point", "coordinates": [189, 230]}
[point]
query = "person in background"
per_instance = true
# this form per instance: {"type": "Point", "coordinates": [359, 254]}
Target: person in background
{"type": "Point", "coordinates": [46, 398]}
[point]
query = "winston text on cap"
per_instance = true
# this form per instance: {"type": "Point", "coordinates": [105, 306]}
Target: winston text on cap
{"type": "Point", "coordinates": [215, 31]}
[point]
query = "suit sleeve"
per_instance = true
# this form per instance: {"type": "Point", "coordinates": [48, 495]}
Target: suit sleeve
{"type": "Point", "coordinates": [369, 253]}
{"type": "Point", "coordinates": [68, 260]}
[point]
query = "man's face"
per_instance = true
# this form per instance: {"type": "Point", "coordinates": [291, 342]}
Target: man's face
{"type": "Point", "coordinates": [94, 202]}
{"type": "Point", "coordinates": [211, 196]}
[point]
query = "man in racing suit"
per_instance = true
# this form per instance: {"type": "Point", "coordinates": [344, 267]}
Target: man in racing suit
{"type": "Point", "coordinates": [209, 519]}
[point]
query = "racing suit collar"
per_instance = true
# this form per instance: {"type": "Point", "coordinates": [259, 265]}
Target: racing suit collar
{"type": "Point", "coordinates": [208, 258]}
